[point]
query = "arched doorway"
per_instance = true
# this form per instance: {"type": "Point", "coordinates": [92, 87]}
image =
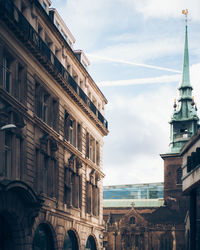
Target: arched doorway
{"type": "Point", "coordinates": [6, 235]}
{"type": "Point", "coordinates": [43, 239]}
{"type": "Point", "coordinates": [91, 244]}
{"type": "Point", "coordinates": [70, 241]}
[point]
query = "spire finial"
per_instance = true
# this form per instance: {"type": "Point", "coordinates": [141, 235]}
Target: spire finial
{"type": "Point", "coordinates": [185, 12]}
{"type": "Point", "coordinates": [132, 204]}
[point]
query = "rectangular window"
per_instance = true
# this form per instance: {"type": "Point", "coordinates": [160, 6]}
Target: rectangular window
{"type": "Point", "coordinates": [136, 240]}
{"type": "Point", "coordinates": [19, 83]}
{"type": "Point", "coordinates": [45, 107]}
{"type": "Point", "coordinates": [51, 177]}
{"type": "Point", "coordinates": [7, 154]}
{"type": "Point", "coordinates": [72, 131]}
{"type": "Point", "coordinates": [7, 76]}
{"type": "Point", "coordinates": [18, 159]}
{"type": "Point", "coordinates": [89, 198]}
{"type": "Point", "coordinates": [66, 125]}
{"type": "Point", "coordinates": [45, 173]}
{"type": "Point", "coordinates": [92, 149]}
{"type": "Point", "coordinates": [87, 145]}
{"type": "Point", "coordinates": [79, 137]}
{"type": "Point", "coordinates": [97, 153]}
{"type": "Point", "coordinates": [54, 115]}
{"type": "Point", "coordinates": [71, 134]}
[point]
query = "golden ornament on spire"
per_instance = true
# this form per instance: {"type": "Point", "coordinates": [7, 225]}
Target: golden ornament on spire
{"type": "Point", "coordinates": [185, 12]}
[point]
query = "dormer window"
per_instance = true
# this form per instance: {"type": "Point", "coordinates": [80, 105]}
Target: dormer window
{"type": "Point", "coordinates": [44, 5]}
{"type": "Point", "coordinates": [57, 24]}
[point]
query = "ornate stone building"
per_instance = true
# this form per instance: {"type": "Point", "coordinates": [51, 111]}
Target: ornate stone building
{"type": "Point", "coordinates": [164, 227]}
{"type": "Point", "coordinates": [191, 188]}
{"type": "Point", "coordinates": [51, 134]}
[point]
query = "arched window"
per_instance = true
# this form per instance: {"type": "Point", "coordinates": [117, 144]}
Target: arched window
{"type": "Point", "coordinates": [90, 245]}
{"type": "Point", "coordinates": [43, 239]}
{"type": "Point", "coordinates": [70, 241]}
{"type": "Point", "coordinates": [132, 220]}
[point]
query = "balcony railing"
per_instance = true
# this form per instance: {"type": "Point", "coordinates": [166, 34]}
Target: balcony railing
{"type": "Point", "coordinates": [28, 34]}
{"type": "Point", "coordinates": [193, 160]}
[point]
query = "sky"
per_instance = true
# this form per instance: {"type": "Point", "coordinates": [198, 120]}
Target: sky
{"type": "Point", "coordinates": [135, 48]}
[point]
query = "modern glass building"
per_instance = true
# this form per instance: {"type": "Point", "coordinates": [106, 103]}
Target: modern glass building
{"type": "Point", "coordinates": [134, 191]}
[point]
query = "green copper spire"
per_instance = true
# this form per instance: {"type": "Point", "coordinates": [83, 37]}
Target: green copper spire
{"type": "Point", "coordinates": [184, 118]}
{"type": "Point", "coordinates": [186, 72]}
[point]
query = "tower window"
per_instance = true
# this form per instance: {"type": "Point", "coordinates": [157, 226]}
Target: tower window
{"type": "Point", "coordinates": [183, 130]}
{"type": "Point", "coordinates": [132, 220]}
{"type": "Point", "coordinates": [179, 175]}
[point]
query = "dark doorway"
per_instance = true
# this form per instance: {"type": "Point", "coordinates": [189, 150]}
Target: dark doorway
{"type": "Point", "coordinates": [91, 244]}
{"type": "Point", "coordinates": [70, 241]}
{"type": "Point", "coordinates": [6, 237]}
{"type": "Point", "coordinates": [43, 239]}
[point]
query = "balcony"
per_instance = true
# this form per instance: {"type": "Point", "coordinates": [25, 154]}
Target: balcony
{"type": "Point", "coordinates": [16, 21]}
{"type": "Point", "coordinates": [193, 160]}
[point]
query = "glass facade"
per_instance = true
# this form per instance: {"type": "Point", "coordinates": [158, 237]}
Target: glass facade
{"type": "Point", "coordinates": [134, 191]}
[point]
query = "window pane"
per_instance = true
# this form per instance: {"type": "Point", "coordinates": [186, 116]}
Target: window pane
{"type": "Point", "coordinates": [7, 155]}
{"type": "Point", "coordinates": [6, 74]}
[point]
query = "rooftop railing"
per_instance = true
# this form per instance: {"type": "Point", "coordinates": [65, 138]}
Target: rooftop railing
{"type": "Point", "coordinates": [193, 160]}
{"type": "Point", "coordinates": [29, 35]}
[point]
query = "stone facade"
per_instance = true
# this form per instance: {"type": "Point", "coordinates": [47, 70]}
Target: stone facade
{"type": "Point", "coordinates": [51, 159]}
{"type": "Point", "coordinates": [191, 188]}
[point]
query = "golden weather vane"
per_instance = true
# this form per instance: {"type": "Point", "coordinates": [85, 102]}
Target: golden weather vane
{"type": "Point", "coordinates": [185, 12]}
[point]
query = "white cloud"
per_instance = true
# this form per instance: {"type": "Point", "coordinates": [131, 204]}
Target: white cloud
{"type": "Point", "coordinates": [140, 51]}
{"type": "Point", "coordinates": [139, 132]}
{"type": "Point", "coordinates": [137, 171]}
{"type": "Point", "coordinates": [88, 19]}
{"type": "Point", "coordinates": [165, 9]}
{"type": "Point", "coordinates": [195, 82]}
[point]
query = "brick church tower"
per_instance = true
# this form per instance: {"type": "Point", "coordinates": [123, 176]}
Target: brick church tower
{"type": "Point", "coordinates": [183, 125]}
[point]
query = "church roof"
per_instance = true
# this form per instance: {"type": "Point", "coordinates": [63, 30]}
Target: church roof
{"type": "Point", "coordinates": [165, 215]}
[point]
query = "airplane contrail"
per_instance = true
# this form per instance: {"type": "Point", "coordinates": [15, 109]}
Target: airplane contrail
{"type": "Point", "coordinates": [139, 81]}
{"type": "Point", "coordinates": [132, 63]}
